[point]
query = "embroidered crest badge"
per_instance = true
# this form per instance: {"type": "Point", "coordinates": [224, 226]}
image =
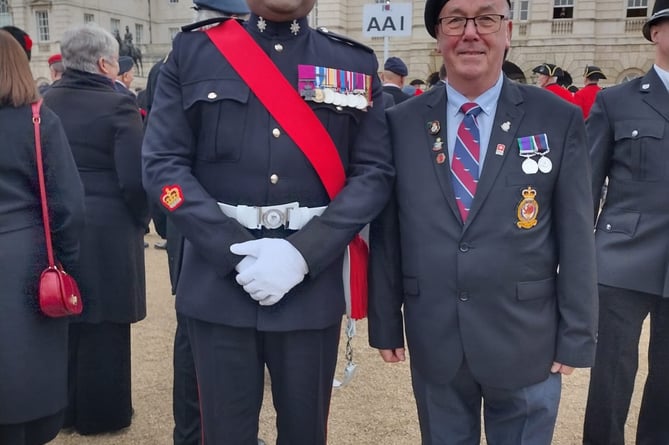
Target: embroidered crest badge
{"type": "Point", "coordinates": [172, 197]}
{"type": "Point", "coordinates": [528, 209]}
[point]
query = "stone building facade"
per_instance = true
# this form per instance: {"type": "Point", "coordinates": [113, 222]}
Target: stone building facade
{"type": "Point", "coordinates": [568, 33]}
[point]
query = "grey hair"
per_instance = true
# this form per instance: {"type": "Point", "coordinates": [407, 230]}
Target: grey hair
{"type": "Point", "coordinates": [83, 46]}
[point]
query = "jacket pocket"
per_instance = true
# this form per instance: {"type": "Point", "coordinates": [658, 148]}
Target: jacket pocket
{"type": "Point", "coordinates": [530, 290]}
{"type": "Point", "coordinates": [219, 108]}
{"type": "Point", "coordinates": [642, 143]}
{"type": "Point", "coordinates": [619, 221]}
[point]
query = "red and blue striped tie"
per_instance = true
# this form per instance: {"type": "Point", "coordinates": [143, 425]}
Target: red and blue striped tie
{"type": "Point", "coordinates": [465, 163]}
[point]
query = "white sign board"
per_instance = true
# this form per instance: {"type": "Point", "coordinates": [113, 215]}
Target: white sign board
{"type": "Point", "coordinates": [386, 19]}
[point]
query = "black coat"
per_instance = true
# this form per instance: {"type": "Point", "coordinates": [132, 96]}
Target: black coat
{"type": "Point", "coordinates": [33, 348]}
{"type": "Point", "coordinates": [104, 129]}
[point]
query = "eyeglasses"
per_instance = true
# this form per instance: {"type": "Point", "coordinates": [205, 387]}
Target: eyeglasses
{"type": "Point", "coordinates": [485, 24]}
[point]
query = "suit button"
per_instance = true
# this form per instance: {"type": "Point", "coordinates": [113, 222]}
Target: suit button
{"type": "Point", "coordinates": [608, 227]}
{"type": "Point", "coordinates": [276, 132]}
{"type": "Point", "coordinates": [464, 247]}
{"type": "Point", "coordinates": [274, 178]}
{"type": "Point", "coordinates": [463, 296]}
{"type": "Point", "coordinates": [278, 47]}
{"type": "Point", "coordinates": [635, 133]}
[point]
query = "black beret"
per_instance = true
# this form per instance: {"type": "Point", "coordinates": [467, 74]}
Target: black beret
{"type": "Point", "coordinates": [660, 12]}
{"type": "Point", "coordinates": [227, 6]}
{"type": "Point", "coordinates": [548, 69]}
{"type": "Point", "coordinates": [593, 72]}
{"type": "Point", "coordinates": [395, 65]}
{"type": "Point", "coordinates": [124, 64]}
{"type": "Point", "coordinates": [432, 10]}
{"type": "Point", "coordinates": [22, 37]}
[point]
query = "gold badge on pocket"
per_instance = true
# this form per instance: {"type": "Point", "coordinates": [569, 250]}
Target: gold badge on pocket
{"type": "Point", "coordinates": [528, 209]}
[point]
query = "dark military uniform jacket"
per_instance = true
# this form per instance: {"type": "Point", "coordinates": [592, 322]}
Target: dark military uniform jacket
{"type": "Point", "coordinates": [210, 140]}
{"type": "Point", "coordinates": [628, 130]}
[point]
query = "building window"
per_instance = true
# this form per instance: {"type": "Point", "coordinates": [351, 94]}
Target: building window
{"type": "Point", "coordinates": [42, 25]}
{"type": "Point", "coordinates": [139, 33]}
{"type": "Point", "coordinates": [637, 8]}
{"type": "Point", "coordinates": [173, 32]}
{"type": "Point", "coordinates": [5, 18]}
{"type": "Point", "coordinates": [520, 10]}
{"type": "Point", "coordinates": [563, 9]}
{"type": "Point", "coordinates": [115, 25]}
{"type": "Point", "coordinates": [89, 18]}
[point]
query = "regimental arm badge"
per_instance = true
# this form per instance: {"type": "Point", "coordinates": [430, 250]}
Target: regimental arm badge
{"type": "Point", "coordinates": [528, 209]}
{"type": "Point", "coordinates": [172, 197]}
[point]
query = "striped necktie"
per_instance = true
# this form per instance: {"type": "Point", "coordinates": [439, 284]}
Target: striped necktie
{"type": "Point", "coordinates": [465, 163]}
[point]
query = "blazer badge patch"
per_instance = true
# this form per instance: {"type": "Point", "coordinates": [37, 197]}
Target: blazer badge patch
{"type": "Point", "coordinates": [528, 209]}
{"type": "Point", "coordinates": [172, 197]}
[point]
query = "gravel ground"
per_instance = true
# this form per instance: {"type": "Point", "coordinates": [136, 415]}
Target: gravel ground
{"type": "Point", "coordinates": [376, 407]}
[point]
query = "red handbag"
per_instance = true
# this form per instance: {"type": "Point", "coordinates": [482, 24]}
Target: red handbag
{"type": "Point", "coordinates": [58, 293]}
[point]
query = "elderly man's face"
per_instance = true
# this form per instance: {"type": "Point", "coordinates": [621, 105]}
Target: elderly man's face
{"type": "Point", "coordinates": [281, 10]}
{"type": "Point", "coordinates": [474, 59]}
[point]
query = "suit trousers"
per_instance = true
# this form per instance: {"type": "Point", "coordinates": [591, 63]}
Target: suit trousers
{"type": "Point", "coordinates": [185, 399]}
{"type": "Point", "coordinates": [34, 432]}
{"type": "Point", "coordinates": [621, 316]}
{"type": "Point", "coordinates": [450, 414]}
{"type": "Point", "coordinates": [230, 366]}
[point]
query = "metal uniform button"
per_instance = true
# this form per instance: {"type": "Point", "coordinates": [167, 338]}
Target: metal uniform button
{"type": "Point", "coordinates": [276, 132]}
{"type": "Point", "coordinates": [274, 178]}
{"type": "Point", "coordinates": [464, 247]}
{"type": "Point", "coordinates": [212, 95]}
{"type": "Point", "coordinates": [463, 296]}
{"type": "Point", "coordinates": [278, 47]}
{"type": "Point", "coordinates": [635, 133]}
{"type": "Point", "coordinates": [608, 227]}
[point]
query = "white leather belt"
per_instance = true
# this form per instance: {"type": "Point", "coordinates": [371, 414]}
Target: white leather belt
{"type": "Point", "coordinates": [291, 215]}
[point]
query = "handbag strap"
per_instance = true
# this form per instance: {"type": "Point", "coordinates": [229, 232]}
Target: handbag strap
{"type": "Point", "coordinates": [42, 187]}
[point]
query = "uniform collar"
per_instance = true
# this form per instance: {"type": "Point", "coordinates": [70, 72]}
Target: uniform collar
{"type": "Point", "coordinates": [277, 30]}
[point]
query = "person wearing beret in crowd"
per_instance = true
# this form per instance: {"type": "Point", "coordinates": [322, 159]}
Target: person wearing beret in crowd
{"type": "Point", "coordinates": [585, 97]}
{"type": "Point", "coordinates": [243, 115]}
{"type": "Point", "coordinates": [628, 132]}
{"type": "Point", "coordinates": [104, 129]}
{"type": "Point", "coordinates": [22, 37]}
{"type": "Point", "coordinates": [485, 254]}
{"type": "Point", "coordinates": [56, 70]}
{"type": "Point", "coordinates": [125, 76]}
{"type": "Point", "coordinates": [547, 78]}
{"type": "Point", "coordinates": [394, 73]}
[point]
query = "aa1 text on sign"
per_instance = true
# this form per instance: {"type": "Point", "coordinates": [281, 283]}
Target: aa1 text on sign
{"type": "Point", "coordinates": [386, 19]}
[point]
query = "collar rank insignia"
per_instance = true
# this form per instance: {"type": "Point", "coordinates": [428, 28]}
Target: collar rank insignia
{"type": "Point", "coordinates": [528, 209]}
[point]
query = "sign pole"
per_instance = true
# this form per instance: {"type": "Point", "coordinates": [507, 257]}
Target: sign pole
{"type": "Point", "coordinates": [386, 47]}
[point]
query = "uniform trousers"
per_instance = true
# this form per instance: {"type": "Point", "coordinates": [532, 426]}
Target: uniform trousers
{"type": "Point", "coordinates": [99, 393]}
{"type": "Point", "coordinates": [621, 316]}
{"type": "Point", "coordinates": [34, 432]}
{"type": "Point", "coordinates": [230, 363]}
{"type": "Point", "coordinates": [185, 400]}
{"type": "Point", "coordinates": [450, 413]}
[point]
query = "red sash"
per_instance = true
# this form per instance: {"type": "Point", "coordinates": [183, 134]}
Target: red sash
{"type": "Point", "coordinates": [300, 123]}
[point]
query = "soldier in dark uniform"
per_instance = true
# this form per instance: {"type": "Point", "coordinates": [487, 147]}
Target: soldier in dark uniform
{"type": "Point", "coordinates": [548, 75]}
{"type": "Point", "coordinates": [261, 276]}
{"type": "Point", "coordinates": [585, 97]}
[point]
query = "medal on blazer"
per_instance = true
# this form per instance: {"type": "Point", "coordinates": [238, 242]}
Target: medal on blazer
{"type": "Point", "coordinates": [544, 163]}
{"type": "Point", "coordinates": [526, 150]}
{"type": "Point", "coordinates": [528, 209]}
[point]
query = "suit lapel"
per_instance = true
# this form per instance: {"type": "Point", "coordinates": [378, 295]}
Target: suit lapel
{"type": "Point", "coordinates": [436, 112]}
{"type": "Point", "coordinates": [507, 121]}
{"type": "Point", "coordinates": [656, 95]}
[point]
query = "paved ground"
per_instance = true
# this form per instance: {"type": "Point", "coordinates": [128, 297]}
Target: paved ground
{"type": "Point", "coordinates": [377, 407]}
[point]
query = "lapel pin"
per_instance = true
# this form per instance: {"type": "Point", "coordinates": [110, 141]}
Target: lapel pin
{"type": "Point", "coordinates": [441, 158]}
{"type": "Point", "coordinates": [499, 151]}
{"type": "Point", "coordinates": [434, 127]}
{"type": "Point", "coordinates": [645, 86]}
{"type": "Point", "coordinates": [438, 145]}
{"type": "Point", "coordinates": [506, 126]}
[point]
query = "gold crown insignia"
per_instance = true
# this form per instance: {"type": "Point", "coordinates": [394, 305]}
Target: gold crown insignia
{"type": "Point", "coordinates": [529, 193]}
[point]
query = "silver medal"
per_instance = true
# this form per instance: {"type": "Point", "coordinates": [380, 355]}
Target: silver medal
{"type": "Point", "coordinates": [545, 164]}
{"type": "Point", "coordinates": [530, 166]}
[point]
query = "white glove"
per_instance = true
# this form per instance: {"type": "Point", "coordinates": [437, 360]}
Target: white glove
{"type": "Point", "coordinates": [278, 267]}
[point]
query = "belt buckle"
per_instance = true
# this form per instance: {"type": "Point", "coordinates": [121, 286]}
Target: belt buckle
{"type": "Point", "coordinates": [273, 218]}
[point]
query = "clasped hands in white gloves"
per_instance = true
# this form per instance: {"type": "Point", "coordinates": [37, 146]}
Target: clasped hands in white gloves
{"type": "Point", "coordinates": [271, 267]}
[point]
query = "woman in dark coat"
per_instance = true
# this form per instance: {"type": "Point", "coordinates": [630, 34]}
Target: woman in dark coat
{"type": "Point", "coordinates": [33, 347]}
{"type": "Point", "coordinates": [104, 129]}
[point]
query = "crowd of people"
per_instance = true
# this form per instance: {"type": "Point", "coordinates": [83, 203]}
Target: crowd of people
{"type": "Point", "coordinates": [268, 146]}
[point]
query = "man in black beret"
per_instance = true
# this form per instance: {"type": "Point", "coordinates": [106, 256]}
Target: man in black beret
{"type": "Point", "coordinates": [628, 131]}
{"type": "Point", "coordinates": [492, 197]}
{"type": "Point", "coordinates": [394, 72]}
